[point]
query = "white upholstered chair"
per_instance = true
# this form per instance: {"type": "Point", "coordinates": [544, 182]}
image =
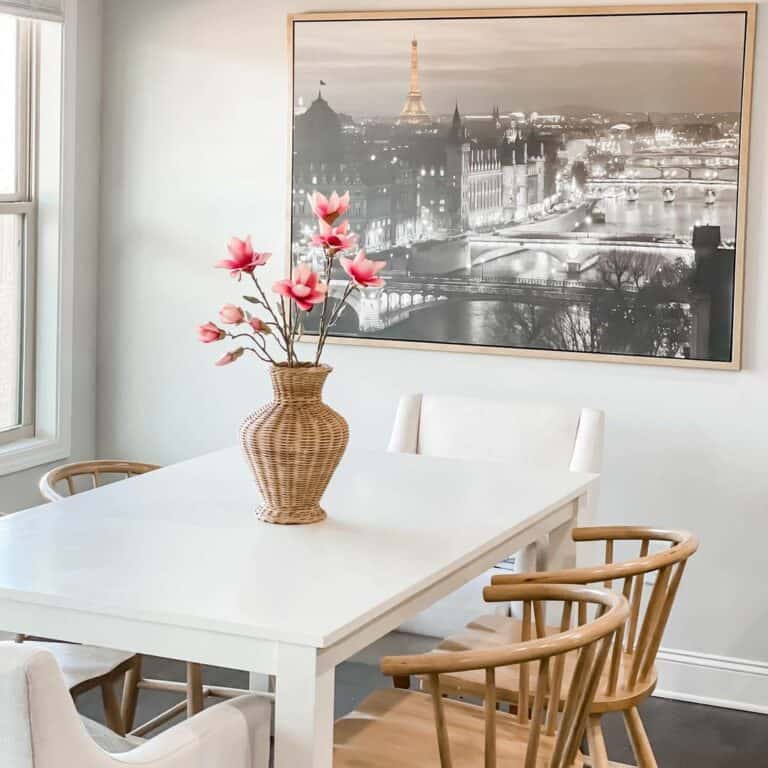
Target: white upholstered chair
{"type": "Point", "coordinates": [40, 728]}
{"type": "Point", "coordinates": [506, 431]}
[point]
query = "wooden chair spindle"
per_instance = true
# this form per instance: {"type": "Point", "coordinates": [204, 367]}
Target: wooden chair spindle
{"type": "Point", "coordinates": [553, 709]}
{"type": "Point", "coordinates": [608, 560]}
{"type": "Point", "coordinates": [490, 718]}
{"type": "Point", "coordinates": [443, 744]}
{"type": "Point", "coordinates": [542, 681]}
{"type": "Point", "coordinates": [525, 634]}
{"type": "Point", "coordinates": [634, 606]}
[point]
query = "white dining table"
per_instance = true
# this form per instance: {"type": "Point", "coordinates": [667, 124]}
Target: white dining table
{"type": "Point", "coordinates": [174, 563]}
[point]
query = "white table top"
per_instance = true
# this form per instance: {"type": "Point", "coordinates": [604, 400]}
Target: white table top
{"type": "Point", "coordinates": [182, 545]}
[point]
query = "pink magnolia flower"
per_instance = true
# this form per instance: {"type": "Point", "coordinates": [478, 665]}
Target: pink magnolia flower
{"type": "Point", "coordinates": [210, 332]}
{"type": "Point", "coordinates": [230, 357]}
{"type": "Point", "coordinates": [259, 326]}
{"type": "Point", "coordinates": [329, 209]}
{"type": "Point", "coordinates": [334, 238]}
{"type": "Point", "coordinates": [304, 288]}
{"type": "Point", "coordinates": [362, 270]}
{"type": "Point", "coordinates": [243, 258]}
{"type": "Point", "coordinates": [231, 315]}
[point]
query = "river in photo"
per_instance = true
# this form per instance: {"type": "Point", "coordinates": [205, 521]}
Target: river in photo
{"type": "Point", "coordinates": [499, 322]}
{"type": "Point", "coordinates": [650, 215]}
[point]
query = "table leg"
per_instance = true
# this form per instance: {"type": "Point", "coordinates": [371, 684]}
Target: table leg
{"type": "Point", "coordinates": [530, 557]}
{"type": "Point", "coordinates": [560, 551]}
{"type": "Point", "coordinates": [304, 699]}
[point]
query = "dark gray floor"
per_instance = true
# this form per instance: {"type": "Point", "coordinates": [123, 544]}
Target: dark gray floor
{"type": "Point", "coordinates": [683, 735]}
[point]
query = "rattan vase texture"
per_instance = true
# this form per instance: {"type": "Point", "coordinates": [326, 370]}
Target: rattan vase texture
{"type": "Point", "coordinates": [293, 445]}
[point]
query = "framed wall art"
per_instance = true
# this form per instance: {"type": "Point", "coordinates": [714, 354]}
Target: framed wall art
{"type": "Point", "coordinates": [565, 182]}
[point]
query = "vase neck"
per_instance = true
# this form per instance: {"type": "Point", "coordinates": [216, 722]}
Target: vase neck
{"type": "Point", "coordinates": [299, 384]}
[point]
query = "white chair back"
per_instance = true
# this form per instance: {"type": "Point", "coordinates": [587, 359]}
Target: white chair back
{"type": "Point", "coordinates": [508, 431]}
{"type": "Point", "coordinates": [40, 728]}
{"type": "Point", "coordinates": [15, 723]}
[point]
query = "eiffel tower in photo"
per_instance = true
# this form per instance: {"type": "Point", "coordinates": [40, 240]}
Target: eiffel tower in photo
{"type": "Point", "coordinates": [414, 112]}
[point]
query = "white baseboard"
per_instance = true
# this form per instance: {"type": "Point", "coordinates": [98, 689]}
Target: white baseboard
{"type": "Point", "coordinates": [718, 681]}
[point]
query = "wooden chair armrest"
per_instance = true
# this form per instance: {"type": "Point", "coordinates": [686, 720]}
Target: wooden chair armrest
{"type": "Point", "coordinates": [440, 662]}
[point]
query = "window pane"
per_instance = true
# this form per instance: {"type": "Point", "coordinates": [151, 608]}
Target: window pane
{"type": "Point", "coordinates": [11, 283]}
{"type": "Point", "coordinates": [8, 86]}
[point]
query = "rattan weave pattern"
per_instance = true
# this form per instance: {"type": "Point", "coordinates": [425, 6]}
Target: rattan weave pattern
{"type": "Point", "coordinates": [293, 445]}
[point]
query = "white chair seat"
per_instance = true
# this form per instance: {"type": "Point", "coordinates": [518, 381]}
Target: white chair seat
{"type": "Point", "coordinates": [81, 663]}
{"type": "Point", "coordinates": [108, 740]}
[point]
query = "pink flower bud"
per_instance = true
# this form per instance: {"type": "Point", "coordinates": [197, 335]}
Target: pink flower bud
{"type": "Point", "coordinates": [231, 314]}
{"type": "Point", "coordinates": [259, 326]}
{"type": "Point", "coordinates": [230, 357]}
{"type": "Point", "coordinates": [210, 332]}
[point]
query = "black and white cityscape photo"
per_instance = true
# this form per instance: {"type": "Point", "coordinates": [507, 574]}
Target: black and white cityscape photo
{"type": "Point", "coordinates": [551, 183]}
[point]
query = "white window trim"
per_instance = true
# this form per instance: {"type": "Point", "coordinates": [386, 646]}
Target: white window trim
{"type": "Point", "coordinates": [55, 297]}
{"type": "Point", "coordinates": [35, 9]}
{"type": "Point", "coordinates": [21, 201]}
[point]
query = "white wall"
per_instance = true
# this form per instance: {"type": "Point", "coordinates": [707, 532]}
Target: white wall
{"type": "Point", "coordinates": [20, 489]}
{"type": "Point", "coordinates": [194, 150]}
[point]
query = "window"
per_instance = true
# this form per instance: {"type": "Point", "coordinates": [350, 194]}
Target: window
{"type": "Point", "coordinates": [36, 234]}
{"type": "Point", "coordinates": [17, 228]}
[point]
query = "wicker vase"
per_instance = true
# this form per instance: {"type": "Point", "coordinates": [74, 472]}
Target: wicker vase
{"type": "Point", "coordinates": [293, 445]}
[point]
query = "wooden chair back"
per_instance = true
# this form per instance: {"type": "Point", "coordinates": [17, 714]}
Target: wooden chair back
{"type": "Point", "coordinates": [638, 642]}
{"type": "Point", "coordinates": [96, 470]}
{"type": "Point", "coordinates": [544, 657]}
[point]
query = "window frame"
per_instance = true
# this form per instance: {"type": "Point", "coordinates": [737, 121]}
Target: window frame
{"type": "Point", "coordinates": [52, 226]}
{"type": "Point", "coordinates": [23, 202]}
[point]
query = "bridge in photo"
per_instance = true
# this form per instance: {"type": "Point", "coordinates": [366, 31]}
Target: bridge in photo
{"type": "Point", "coordinates": [668, 186]}
{"type": "Point", "coordinates": [579, 249]}
{"type": "Point", "coordinates": [662, 181]}
{"type": "Point", "coordinates": [402, 296]}
{"type": "Point", "coordinates": [693, 158]}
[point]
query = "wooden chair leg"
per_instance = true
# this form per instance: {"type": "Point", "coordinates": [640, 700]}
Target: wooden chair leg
{"type": "Point", "coordinates": [639, 739]}
{"type": "Point", "coordinates": [194, 689]}
{"type": "Point", "coordinates": [112, 714]}
{"type": "Point", "coordinates": [131, 694]}
{"type": "Point", "coordinates": [598, 755]}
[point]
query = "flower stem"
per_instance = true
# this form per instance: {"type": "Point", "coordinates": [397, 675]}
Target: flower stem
{"type": "Point", "coordinates": [322, 330]}
{"type": "Point", "coordinates": [258, 354]}
{"type": "Point", "coordinates": [258, 340]}
{"type": "Point", "coordinates": [338, 309]}
{"type": "Point", "coordinates": [275, 320]}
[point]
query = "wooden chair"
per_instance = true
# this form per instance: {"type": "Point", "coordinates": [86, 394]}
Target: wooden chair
{"type": "Point", "coordinates": [85, 667]}
{"type": "Point", "coordinates": [399, 728]}
{"type": "Point", "coordinates": [629, 677]}
{"type": "Point", "coordinates": [97, 472]}
{"type": "Point", "coordinates": [40, 727]}
{"type": "Point", "coordinates": [504, 431]}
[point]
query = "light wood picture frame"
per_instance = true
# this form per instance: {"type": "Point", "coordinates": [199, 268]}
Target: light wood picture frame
{"type": "Point", "coordinates": [548, 182]}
